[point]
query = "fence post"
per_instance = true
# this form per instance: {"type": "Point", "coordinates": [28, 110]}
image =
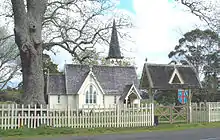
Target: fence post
{"type": "Point", "coordinates": [118, 117]}
{"type": "Point", "coordinates": [209, 112]}
{"type": "Point", "coordinates": [2, 116]}
{"type": "Point", "coordinates": [189, 107]}
{"type": "Point", "coordinates": [171, 114]}
{"type": "Point", "coordinates": [152, 113]}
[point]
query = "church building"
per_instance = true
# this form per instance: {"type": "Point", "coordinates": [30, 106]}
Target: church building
{"type": "Point", "coordinates": [83, 86]}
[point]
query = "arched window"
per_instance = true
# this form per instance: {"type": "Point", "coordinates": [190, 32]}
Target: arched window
{"type": "Point", "coordinates": [91, 95]}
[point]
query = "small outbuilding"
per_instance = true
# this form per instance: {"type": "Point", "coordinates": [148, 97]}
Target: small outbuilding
{"type": "Point", "coordinates": [162, 77]}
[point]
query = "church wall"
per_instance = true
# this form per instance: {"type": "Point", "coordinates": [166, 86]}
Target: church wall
{"type": "Point", "coordinates": [110, 100]}
{"type": "Point", "coordinates": [53, 101]}
{"type": "Point", "coordinates": [72, 101]}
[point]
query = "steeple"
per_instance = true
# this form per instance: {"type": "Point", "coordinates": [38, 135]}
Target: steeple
{"type": "Point", "coordinates": [114, 48]}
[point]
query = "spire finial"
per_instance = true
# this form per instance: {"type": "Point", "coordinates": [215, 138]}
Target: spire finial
{"type": "Point", "coordinates": [90, 67]}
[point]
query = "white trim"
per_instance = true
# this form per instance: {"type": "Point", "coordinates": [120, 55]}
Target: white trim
{"type": "Point", "coordinates": [176, 73]}
{"type": "Point", "coordinates": [148, 76]}
{"type": "Point", "coordinates": [96, 82]}
{"type": "Point", "coordinates": [65, 78]}
{"type": "Point", "coordinates": [136, 92]}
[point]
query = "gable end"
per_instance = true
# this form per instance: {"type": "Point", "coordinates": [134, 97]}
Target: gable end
{"type": "Point", "coordinates": [176, 78]}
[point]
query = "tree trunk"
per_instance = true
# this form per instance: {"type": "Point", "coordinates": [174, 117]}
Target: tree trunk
{"type": "Point", "coordinates": [28, 28]}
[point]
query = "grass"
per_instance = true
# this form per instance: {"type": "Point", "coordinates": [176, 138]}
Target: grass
{"type": "Point", "coordinates": [51, 132]}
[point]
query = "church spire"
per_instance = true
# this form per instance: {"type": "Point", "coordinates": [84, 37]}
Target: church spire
{"type": "Point", "coordinates": [114, 48]}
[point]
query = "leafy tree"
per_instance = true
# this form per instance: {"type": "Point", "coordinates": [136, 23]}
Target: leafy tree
{"type": "Point", "coordinates": [8, 58]}
{"type": "Point", "coordinates": [199, 48]}
{"type": "Point", "coordinates": [167, 98]}
{"type": "Point", "coordinates": [48, 65]}
{"type": "Point", "coordinates": [70, 24]}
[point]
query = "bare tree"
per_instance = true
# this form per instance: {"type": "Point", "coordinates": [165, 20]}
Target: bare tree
{"type": "Point", "coordinates": [92, 26]}
{"type": "Point", "coordinates": [70, 24]}
{"type": "Point", "coordinates": [8, 58]}
{"type": "Point", "coordinates": [208, 11]}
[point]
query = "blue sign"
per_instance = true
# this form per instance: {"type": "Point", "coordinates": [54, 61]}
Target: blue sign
{"type": "Point", "coordinates": [182, 96]}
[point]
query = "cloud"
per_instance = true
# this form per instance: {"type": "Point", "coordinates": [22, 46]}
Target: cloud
{"type": "Point", "coordinates": [160, 25]}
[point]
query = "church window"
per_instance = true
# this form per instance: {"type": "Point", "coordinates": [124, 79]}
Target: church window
{"type": "Point", "coordinates": [94, 97]}
{"type": "Point", "coordinates": [91, 95]}
{"type": "Point", "coordinates": [58, 99]}
{"type": "Point", "coordinates": [87, 97]}
{"type": "Point", "coordinates": [115, 99]}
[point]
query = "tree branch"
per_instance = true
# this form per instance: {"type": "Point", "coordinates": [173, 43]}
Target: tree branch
{"type": "Point", "coordinates": [203, 11]}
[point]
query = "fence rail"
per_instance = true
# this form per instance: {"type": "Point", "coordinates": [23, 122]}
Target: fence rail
{"type": "Point", "coordinates": [15, 116]}
{"type": "Point", "coordinates": [171, 114]}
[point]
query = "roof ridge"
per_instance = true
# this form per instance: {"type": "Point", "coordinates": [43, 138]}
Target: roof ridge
{"type": "Point", "coordinates": [56, 74]}
{"type": "Point", "coordinates": [99, 65]}
{"type": "Point", "coordinates": [170, 65]}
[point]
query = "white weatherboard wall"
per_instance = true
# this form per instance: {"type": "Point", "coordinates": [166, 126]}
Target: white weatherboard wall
{"type": "Point", "coordinates": [72, 101]}
{"type": "Point", "coordinates": [53, 101]}
{"type": "Point", "coordinates": [109, 100]}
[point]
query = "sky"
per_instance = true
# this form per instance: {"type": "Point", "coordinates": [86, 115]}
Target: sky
{"type": "Point", "coordinates": [159, 24]}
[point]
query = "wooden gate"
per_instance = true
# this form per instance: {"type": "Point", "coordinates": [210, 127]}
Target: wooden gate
{"type": "Point", "coordinates": [171, 114]}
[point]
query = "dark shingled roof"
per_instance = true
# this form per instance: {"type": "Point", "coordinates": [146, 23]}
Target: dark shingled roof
{"type": "Point", "coordinates": [56, 84]}
{"type": "Point", "coordinates": [112, 79]}
{"type": "Point", "coordinates": [158, 76]}
{"type": "Point", "coordinates": [125, 91]}
{"type": "Point", "coordinates": [114, 48]}
{"type": "Point", "coordinates": [75, 76]}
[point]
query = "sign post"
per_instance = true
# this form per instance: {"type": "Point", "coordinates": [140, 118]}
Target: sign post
{"type": "Point", "coordinates": [184, 97]}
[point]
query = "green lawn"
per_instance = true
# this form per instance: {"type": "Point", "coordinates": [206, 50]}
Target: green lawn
{"type": "Point", "coordinates": [51, 132]}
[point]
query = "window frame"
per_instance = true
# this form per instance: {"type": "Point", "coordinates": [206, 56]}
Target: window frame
{"type": "Point", "coordinates": [91, 94]}
{"type": "Point", "coordinates": [58, 99]}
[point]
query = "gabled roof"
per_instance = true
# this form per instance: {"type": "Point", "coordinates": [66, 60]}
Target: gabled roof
{"type": "Point", "coordinates": [127, 90]}
{"type": "Point", "coordinates": [56, 84]}
{"type": "Point", "coordinates": [112, 79]}
{"type": "Point", "coordinates": [157, 76]}
{"type": "Point", "coordinates": [114, 47]}
{"type": "Point", "coordinates": [91, 75]}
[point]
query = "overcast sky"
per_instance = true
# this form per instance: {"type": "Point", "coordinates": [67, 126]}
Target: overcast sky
{"type": "Point", "coordinates": [160, 23]}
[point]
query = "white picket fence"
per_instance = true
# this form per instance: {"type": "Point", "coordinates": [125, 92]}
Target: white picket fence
{"type": "Point", "coordinates": [17, 116]}
{"type": "Point", "coordinates": [206, 112]}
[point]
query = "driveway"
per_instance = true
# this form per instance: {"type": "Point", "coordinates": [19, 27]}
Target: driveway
{"type": "Point", "coordinates": [193, 134]}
